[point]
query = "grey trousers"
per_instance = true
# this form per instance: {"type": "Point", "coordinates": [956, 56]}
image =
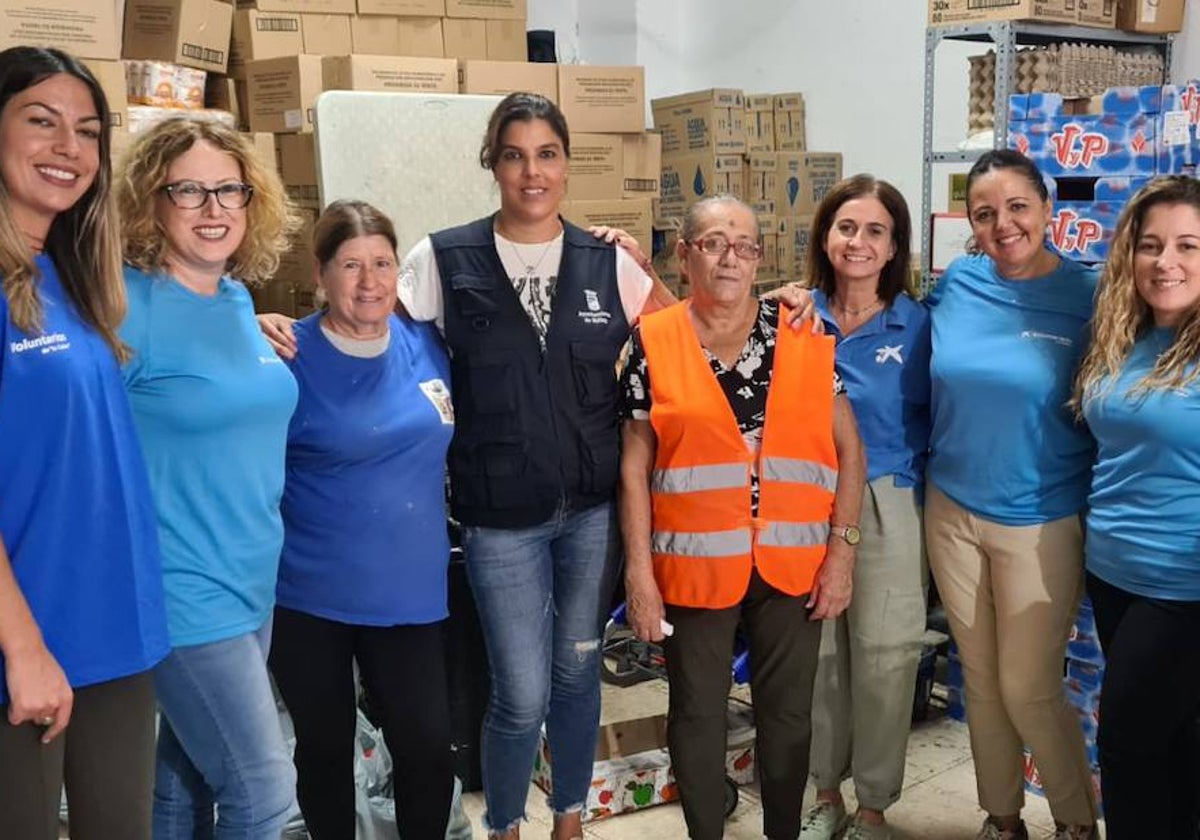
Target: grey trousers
{"type": "Point", "coordinates": [866, 676]}
{"type": "Point", "coordinates": [105, 757]}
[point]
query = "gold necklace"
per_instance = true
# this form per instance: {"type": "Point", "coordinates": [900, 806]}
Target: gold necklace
{"type": "Point", "coordinates": [855, 313]}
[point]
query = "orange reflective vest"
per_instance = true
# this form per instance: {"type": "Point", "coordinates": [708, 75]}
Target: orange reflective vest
{"type": "Point", "coordinates": [704, 541]}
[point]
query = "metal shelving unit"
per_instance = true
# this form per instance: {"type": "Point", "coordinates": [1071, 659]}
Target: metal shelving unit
{"type": "Point", "coordinates": [1006, 36]}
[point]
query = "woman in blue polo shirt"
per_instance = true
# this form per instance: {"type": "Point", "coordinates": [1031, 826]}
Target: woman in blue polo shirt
{"type": "Point", "coordinates": [1007, 481]}
{"type": "Point", "coordinates": [365, 550]}
{"type": "Point", "coordinates": [863, 697]}
{"type": "Point", "coordinates": [1139, 389]}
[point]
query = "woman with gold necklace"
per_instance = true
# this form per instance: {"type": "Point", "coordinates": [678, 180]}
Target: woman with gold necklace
{"type": "Point", "coordinates": [858, 269]}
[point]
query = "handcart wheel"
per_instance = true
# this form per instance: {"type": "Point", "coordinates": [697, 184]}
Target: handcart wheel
{"type": "Point", "coordinates": [623, 654]}
{"type": "Point", "coordinates": [731, 796]}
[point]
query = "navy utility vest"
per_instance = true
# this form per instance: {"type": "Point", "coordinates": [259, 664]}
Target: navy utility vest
{"type": "Point", "coordinates": [531, 428]}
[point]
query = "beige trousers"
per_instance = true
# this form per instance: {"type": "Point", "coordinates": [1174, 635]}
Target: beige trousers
{"type": "Point", "coordinates": [1011, 594]}
{"type": "Point", "coordinates": [867, 672]}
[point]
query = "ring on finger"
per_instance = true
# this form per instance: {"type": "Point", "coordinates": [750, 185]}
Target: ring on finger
{"type": "Point", "coordinates": [45, 720]}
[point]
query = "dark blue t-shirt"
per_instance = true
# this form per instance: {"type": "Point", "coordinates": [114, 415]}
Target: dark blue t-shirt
{"type": "Point", "coordinates": [364, 500]}
{"type": "Point", "coordinates": [76, 513]}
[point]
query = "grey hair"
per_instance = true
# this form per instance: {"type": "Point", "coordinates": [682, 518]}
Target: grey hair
{"type": "Point", "coordinates": [694, 215]}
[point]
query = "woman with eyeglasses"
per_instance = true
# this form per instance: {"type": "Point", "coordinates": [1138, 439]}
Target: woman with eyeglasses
{"type": "Point", "coordinates": [741, 482]}
{"type": "Point", "coordinates": [201, 217]}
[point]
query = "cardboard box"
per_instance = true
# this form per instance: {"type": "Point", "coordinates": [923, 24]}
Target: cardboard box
{"type": "Point", "coordinates": [326, 34]}
{"type": "Point", "coordinates": [641, 165]}
{"type": "Point", "coordinates": [760, 123]}
{"type": "Point", "coordinates": [495, 9]}
{"type": "Point", "coordinates": [195, 33]}
{"type": "Point", "coordinates": [947, 12]}
{"type": "Point", "coordinates": [396, 36]}
{"type": "Point", "coordinates": [506, 40]}
{"type": "Point", "coordinates": [402, 8]}
{"type": "Point", "coordinates": [226, 94]}
{"type": "Point", "coordinates": [280, 93]}
{"type": "Point", "coordinates": [768, 240]}
{"type": "Point", "coordinates": [788, 114]}
{"type": "Point", "coordinates": [297, 159]}
{"type": "Point", "coordinates": [504, 77]}
{"type": "Point", "coordinates": [316, 7]}
{"type": "Point", "coordinates": [803, 179]}
{"type": "Point", "coordinates": [664, 256]}
{"type": "Point", "coordinates": [296, 264]}
{"type": "Point", "coordinates": [258, 35]}
{"type": "Point", "coordinates": [688, 178]}
{"type": "Point", "coordinates": [465, 38]}
{"type": "Point", "coordinates": [595, 170]}
{"type": "Point", "coordinates": [111, 76]}
{"type": "Point", "coordinates": [632, 769]}
{"type": "Point", "coordinates": [1150, 15]}
{"type": "Point", "coordinates": [631, 215]}
{"type": "Point", "coordinates": [390, 73]}
{"type": "Point", "coordinates": [614, 166]}
{"type": "Point", "coordinates": [264, 147]}
{"type": "Point", "coordinates": [1098, 13]}
{"type": "Point", "coordinates": [761, 176]}
{"type": "Point", "coordinates": [83, 28]}
{"type": "Point", "coordinates": [1086, 214]}
{"type": "Point", "coordinates": [602, 99]}
{"type": "Point", "coordinates": [711, 122]}
{"type": "Point", "coordinates": [793, 242]}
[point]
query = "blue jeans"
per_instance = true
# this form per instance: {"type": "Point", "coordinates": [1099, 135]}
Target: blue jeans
{"type": "Point", "coordinates": [540, 592]}
{"type": "Point", "coordinates": [219, 743]}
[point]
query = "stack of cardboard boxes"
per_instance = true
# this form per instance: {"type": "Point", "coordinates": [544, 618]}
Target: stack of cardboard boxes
{"type": "Point", "coordinates": [753, 147]}
{"type": "Point", "coordinates": [1156, 16]}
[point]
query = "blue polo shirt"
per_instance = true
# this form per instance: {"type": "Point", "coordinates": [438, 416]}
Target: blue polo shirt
{"type": "Point", "coordinates": [884, 365]}
{"type": "Point", "coordinates": [1003, 445]}
{"type": "Point", "coordinates": [1143, 527]}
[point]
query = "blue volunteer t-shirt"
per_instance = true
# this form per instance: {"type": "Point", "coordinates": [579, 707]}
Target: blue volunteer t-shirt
{"type": "Point", "coordinates": [76, 515]}
{"type": "Point", "coordinates": [212, 403]}
{"type": "Point", "coordinates": [885, 367]}
{"type": "Point", "coordinates": [364, 504]}
{"type": "Point", "coordinates": [1004, 446]}
{"type": "Point", "coordinates": [1143, 527]}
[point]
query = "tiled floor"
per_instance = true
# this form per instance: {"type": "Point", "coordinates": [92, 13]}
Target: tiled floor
{"type": "Point", "coordinates": [938, 801]}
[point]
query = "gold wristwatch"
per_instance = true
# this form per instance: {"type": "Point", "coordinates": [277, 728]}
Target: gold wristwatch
{"type": "Point", "coordinates": [849, 533]}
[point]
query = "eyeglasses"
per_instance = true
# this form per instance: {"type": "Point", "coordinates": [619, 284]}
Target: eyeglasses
{"type": "Point", "coordinates": [717, 246]}
{"type": "Point", "coordinates": [190, 195]}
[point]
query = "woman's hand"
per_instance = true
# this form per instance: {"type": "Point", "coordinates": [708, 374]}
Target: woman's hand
{"type": "Point", "coordinates": [620, 238]}
{"type": "Point", "coordinates": [38, 691]}
{"type": "Point", "coordinates": [800, 300]}
{"type": "Point", "coordinates": [277, 329]}
{"type": "Point", "coordinates": [835, 579]}
{"type": "Point", "coordinates": [644, 608]}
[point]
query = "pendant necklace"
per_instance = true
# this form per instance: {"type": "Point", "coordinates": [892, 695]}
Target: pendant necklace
{"type": "Point", "coordinates": [530, 268]}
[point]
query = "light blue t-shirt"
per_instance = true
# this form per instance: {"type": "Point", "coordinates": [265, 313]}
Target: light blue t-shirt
{"type": "Point", "coordinates": [884, 365]}
{"type": "Point", "coordinates": [1004, 446]}
{"type": "Point", "coordinates": [212, 403]}
{"type": "Point", "coordinates": [364, 506]}
{"type": "Point", "coordinates": [1143, 526]}
{"type": "Point", "coordinates": [76, 515]}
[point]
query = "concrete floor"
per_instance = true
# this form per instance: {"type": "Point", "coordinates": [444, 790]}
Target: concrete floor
{"type": "Point", "coordinates": [938, 803]}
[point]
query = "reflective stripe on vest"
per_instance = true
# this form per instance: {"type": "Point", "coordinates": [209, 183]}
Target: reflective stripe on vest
{"type": "Point", "coordinates": [702, 544]}
{"type": "Point", "coordinates": [795, 471]}
{"type": "Point", "coordinates": [693, 479]}
{"type": "Point", "coordinates": [794, 534]}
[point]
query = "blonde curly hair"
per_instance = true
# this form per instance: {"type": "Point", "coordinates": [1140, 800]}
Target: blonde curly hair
{"type": "Point", "coordinates": [1121, 316]}
{"type": "Point", "coordinates": [270, 219]}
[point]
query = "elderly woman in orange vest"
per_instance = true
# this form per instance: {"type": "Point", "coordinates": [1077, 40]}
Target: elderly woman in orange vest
{"type": "Point", "coordinates": [741, 480]}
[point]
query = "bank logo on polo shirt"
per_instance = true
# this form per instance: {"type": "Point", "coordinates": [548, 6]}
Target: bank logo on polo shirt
{"type": "Point", "coordinates": [44, 344]}
{"type": "Point", "coordinates": [593, 314]}
{"type": "Point", "coordinates": [889, 352]}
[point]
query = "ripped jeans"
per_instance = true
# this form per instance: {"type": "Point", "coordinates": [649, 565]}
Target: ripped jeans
{"type": "Point", "coordinates": [541, 593]}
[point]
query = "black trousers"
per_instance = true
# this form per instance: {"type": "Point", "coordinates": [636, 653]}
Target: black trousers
{"type": "Point", "coordinates": [404, 670]}
{"type": "Point", "coordinates": [783, 665]}
{"type": "Point", "coordinates": [1149, 734]}
{"type": "Point", "coordinates": [105, 757]}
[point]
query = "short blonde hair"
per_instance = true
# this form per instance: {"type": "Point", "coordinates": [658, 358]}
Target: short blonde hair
{"type": "Point", "coordinates": [270, 219]}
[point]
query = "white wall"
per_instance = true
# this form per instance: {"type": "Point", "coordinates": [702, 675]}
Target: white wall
{"type": "Point", "coordinates": [859, 63]}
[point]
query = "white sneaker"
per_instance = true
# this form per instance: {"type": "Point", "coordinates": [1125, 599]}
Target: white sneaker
{"type": "Point", "coordinates": [824, 821]}
{"type": "Point", "coordinates": [867, 831]}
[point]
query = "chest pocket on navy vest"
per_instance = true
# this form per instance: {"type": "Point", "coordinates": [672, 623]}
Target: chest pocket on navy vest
{"type": "Point", "coordinates": [476, 298]}
{"type": "Point", "coordinates": [593, 369]}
